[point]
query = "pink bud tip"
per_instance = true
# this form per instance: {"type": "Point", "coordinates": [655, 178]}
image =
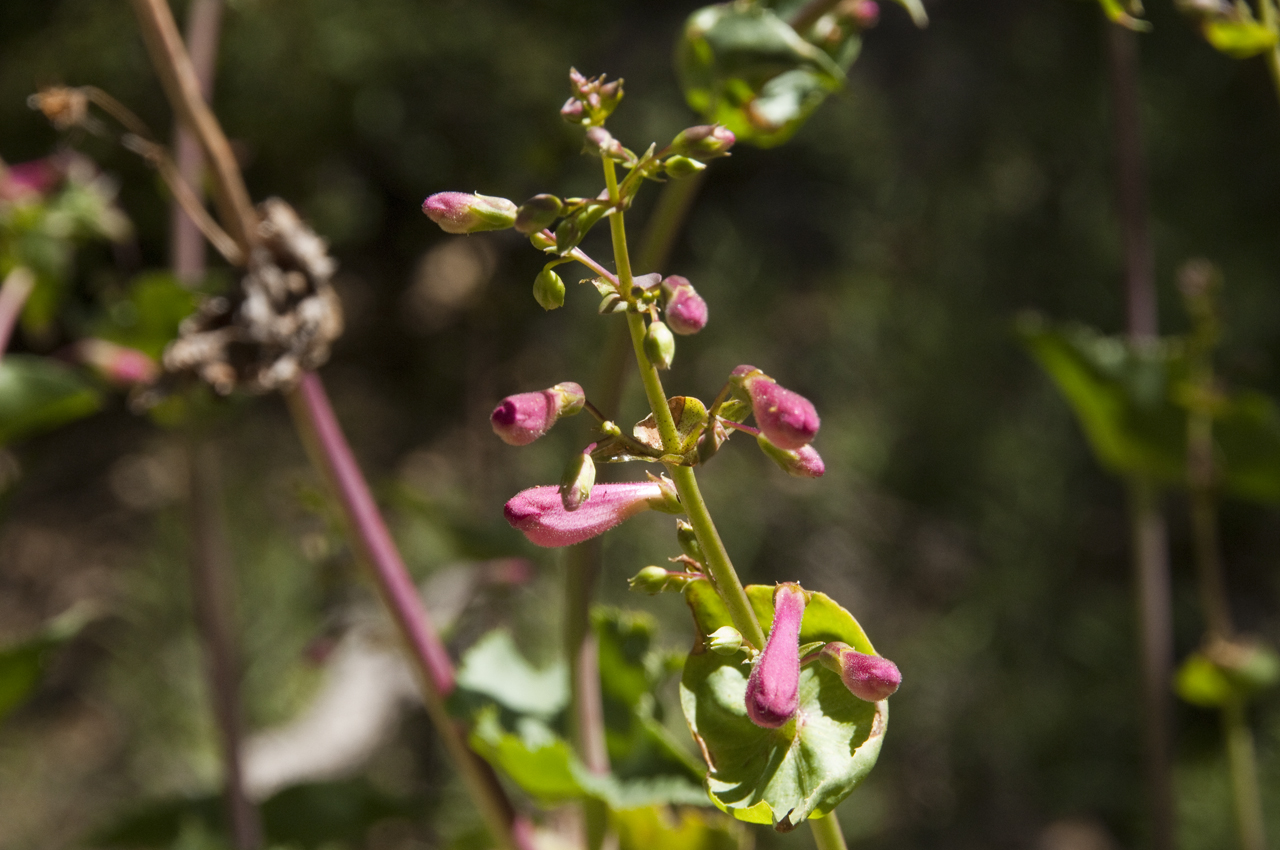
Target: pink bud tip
{"type": "Point", "coordinates": [808, 464]}
{"type": "Point", "coordinates": [116, 363]}
{"type": "Point", "coordinates": [868, 677]}
{"type": "Point", "coordinates": [686, 311]}
{"type": "Point", "coordinates": [788, 419]}
{"type": "Point", "coordinates": [459, 212]}
{"type": "Point", "coordinates": [773, 689]}
{"type": "Point", "coordinates": [520, 419]}
{"type": "Point", "coordinates": [540, 514]}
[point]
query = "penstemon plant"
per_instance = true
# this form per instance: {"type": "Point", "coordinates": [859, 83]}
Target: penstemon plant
{"type": "Point", "coordinates": [783, 692]}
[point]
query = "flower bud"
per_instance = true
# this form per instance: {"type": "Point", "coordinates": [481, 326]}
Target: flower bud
{"type": "Point", "coordinates": [573, 111]}
{"type": "Point", "coordinates": [788, 419]}
{"type": "Point", "coordinates": [678, 167]}
{"type": "Point", "coordinates": [124, 367]}
{"type": "Point", "coordinates": [522, 418]}
{"type": "Point", "coordinates": [659, 345]}
{"type": "Point", "coordinates": [601, 142]}
{"type": "Point", "coordinates": [725, 640]}
{"type": "Point", "coordinates": [773, 688]}
{"type": "Point", "coordinates": [703, 142]}
{"type": "Point", "coordinates": [804, 462]}
{"type": "Point", "coordinates": [540, 515]}
{"type": "Point", "coordinates": [689, 541]}
{"type": "Point", "coordinates": [578, 479]}
{"type": "Point", "coordinates": [458, 212]}
{"type": "Point", "coordinates": [548, 289]}
{"type": "Point", "coordinates": [537, 213]}
{"type": "Point", "coordinates": [685, 311]}
{"type": "Point", "coordinates": [868, 677]}
{"type": "Point", "coordinates": [655, 580]}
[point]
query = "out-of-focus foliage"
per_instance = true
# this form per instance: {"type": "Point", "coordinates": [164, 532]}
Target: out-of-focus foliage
{"type": "Point", "coordinates": [1128, 397]}
{"type": "Point", "coordinates": [22, 663]}
{"type": "Point", "coordinates": [40, 393]}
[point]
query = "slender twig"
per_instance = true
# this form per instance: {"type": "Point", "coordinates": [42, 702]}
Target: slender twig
{"type": "Point", "coordinates": [1271, 21]}
{"type": "Point", "coordinates": [1244, 776]}
{"type": "Point", "coordinates": [210, 578]}
{"type": "Point", "coordinates": [330, 453]}
{"type": "Point", "coordinates": [182, 87]}
{"type": "Point", "coordinates": [187, 247]}
{"type": "Point", "coordinates": [14, 292]}
{"type": "Point", "coordinates": [1148, 534]}
{"type": "Point", "coordinates": [211, 562]}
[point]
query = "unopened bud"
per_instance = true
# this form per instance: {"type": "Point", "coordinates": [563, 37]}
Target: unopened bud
{"type": "Point", "coordinates": [682, 166]}
{"type": "Point", "coordinates": [689, 541]}
{"type": "Point", "coordinates": [578, 479]}
{"type": "Point", "coordinates": [573, 111]}
{"type": "Point", "coordinates": [788, 419]}
{"type": "Point", "coordinates": [537, 213]}
{"type": "Point", "coordinates": [773, 688]}
{"type": "Point", "coordinates": [520, 419]}
{"type": "Point", "coordinates": [124, 367]}
{"type": "Point", "coordinates": [725, 640]}
{"type": "Point", "coordinates": [667, 499]}
{"type": "Point", "coordinates": [868, 677]}
{"type": "Point", "coordinates": [458, 212]}
{"type": "Point", "coordinates": [655, 580]}
{"type": "Point", "coordinates": [601, 142]}
{"type": "Point", "coordinates": [804, 462]}
{"type": "Point", "coordinates": [548, 290]}
{"type": "Point", "coordinates": [659, 345]}
{"type": "Point", "coordinates": [703, 142]}
{"type": "Point", "coordinates": [685, 311]}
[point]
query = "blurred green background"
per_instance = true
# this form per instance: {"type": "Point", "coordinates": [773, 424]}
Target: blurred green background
{"type": "Point", "coordinates": [875, 263]}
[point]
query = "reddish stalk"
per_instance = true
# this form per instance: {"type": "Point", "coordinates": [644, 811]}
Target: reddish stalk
{"type": "Point", "coordinates": [1150, 550]}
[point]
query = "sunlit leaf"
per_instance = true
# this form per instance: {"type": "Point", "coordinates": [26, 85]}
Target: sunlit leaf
{"type": "Point", "coordinates": [494, 668]}
{"type": "Point", "coordinates": [803, 769]}
{"type": "Point", "coordinates": [654, 827]}
{"type": "Point", "coordinates": [39, 393]}
{"type": "Point", "coordinates": [742, 66]}
{"type": "Point", "coordinates": [1239, 39]}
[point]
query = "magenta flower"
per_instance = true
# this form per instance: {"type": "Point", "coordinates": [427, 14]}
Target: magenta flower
{"type": "Point", "coordinates": [458, 212]}
{"type": "Point", "coordinates": [540, 514]}
{"type": "Point", "coordinates": [773, 689]}
{"type": "Point", "coordinates": [706, 141]}
{"type": "Point", "coordinates": [28, 179]}
{"type": "Point", "coordinates": [788, 419]}
{"type": "Point", "coordinates": [520, 419]}
{"type": "Point", "coordinates": [868, 677]}
{"type": "Point", "coordinates": [686, 312]}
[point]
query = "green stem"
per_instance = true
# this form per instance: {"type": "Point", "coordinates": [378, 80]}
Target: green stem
{"type": "Point", "coordinates": [827, 834]}
{"type": "Point", "coordinates": [1269, 20]}
{"type": "Point", "coordinates": [1244, 776]}
{"type": "Point", "coordinates": [722, 572]}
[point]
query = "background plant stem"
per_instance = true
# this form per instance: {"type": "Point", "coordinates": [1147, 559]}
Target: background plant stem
{"type": "Point", "coordinates": [1267, 9]}
{"type": "Point", "coordinates": [1148, 535]}
{"type": "Point", "coordinates": [827, 833]}
{"type": "Point", "coordinates": [211, 563]}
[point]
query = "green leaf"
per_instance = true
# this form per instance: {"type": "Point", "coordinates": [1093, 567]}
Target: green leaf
{"type": "Point", "coordinates": [744, 67]}
{"type": "Point", "coordinates": [779, 776]}
{"type": "Point", "coordinates": [22, 664]}
{"type": "Point", "coordinates": [147, 316]}
{"type": "Point", "coordinates": [494, 668]}
{"type": "Point", "coordinates": [1238, 38]}
{"type": "Point", "coordinates": [652, 827]}
{"type": "Point", "coordinates": [39, 393]}
{"type": "Point", "coordinates": [1125, 397]}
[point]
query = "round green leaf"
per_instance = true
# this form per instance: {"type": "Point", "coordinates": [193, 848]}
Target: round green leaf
{"type": "Point", "coordinates": [804, 769]}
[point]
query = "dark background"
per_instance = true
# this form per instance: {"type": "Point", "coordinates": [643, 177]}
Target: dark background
{"type": "Point", "coordinates": [875, 263]}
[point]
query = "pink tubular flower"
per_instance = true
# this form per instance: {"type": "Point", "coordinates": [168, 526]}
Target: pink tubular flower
{"type": "Point", "coordinates": [685, 310]}
{"type": "Point", "coordinates": [773, 689]}
{"type": "Point", "coordinates": [868, 677]}
{"type": "Point", "coordinates": [788, 419]}
{"type": "Point", "coordinates": [458, 212]}
{"type": "Point", "coordinates": [540, 514]}
{"type": "Point", "coordinates": [520, 419]}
